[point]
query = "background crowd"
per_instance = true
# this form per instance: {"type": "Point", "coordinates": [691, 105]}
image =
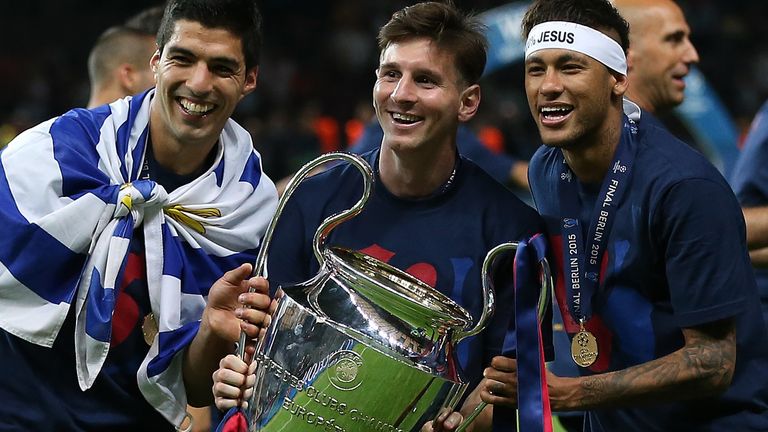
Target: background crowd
{"type": "Point", "coordinates": [317, 70]}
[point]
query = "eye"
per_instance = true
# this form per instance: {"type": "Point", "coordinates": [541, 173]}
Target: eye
{"type": "Point", "coordinates": [389, 74]}
{"type": "Point", "coordinates": [534, 70]}
{"type": "Point", "coordinates": [426, 81]}
{"type": "Point", "coordinates": [571, 68]}
{"type": "Point", "coordinates": [223, 70]}
{"type": "Point", "coordinates": [180, 59]}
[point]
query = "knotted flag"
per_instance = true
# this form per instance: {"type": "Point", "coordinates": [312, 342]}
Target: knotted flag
{"type": "Point", "coordinates": [70, 199]}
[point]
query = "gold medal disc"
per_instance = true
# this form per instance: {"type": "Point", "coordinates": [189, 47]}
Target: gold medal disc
{"type": "Point", "coordinates": [584, 348]}
{"type": "Point", "coordinates": [149, 328]}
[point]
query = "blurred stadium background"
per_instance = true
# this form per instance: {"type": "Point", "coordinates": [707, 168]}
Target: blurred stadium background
{"type": "Point", "coordinates": [317, 69]}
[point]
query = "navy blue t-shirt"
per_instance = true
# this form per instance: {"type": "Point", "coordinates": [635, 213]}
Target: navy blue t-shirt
{"type": "Point", "coordinates": [442, 240]}
{"type": "Point", "coordinates": [497, 165]}
{"type": "Point", "coordinates": [750, 182]}
{"type": "Point", "coordinates": [676, 258]}
{"type": "Point", "coordinates": [39, 390]}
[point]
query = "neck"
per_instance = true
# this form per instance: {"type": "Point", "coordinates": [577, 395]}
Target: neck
{"type": "Point", "coordinates": [104, 95]}
{"type": "Point", "coordinates": [180, 158]}
{"type": "Point", "coordinates": [642, 102]}
{"type": "Point", "coordinates": [590, 162]}
{"type": "Point", "coordinates": [414, 175]}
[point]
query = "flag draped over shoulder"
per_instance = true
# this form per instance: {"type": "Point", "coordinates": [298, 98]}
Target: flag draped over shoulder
{"type": "Point", "coordinates": [70, 199]}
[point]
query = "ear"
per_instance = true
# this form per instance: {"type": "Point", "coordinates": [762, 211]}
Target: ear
{"type": "Point", "coordinates": [251, 78]}
{"type": "Point", "coordinates": [630, 59]}
{"type": "Point", "coordinates": [621, 84]}
{"type": "Point", "coordinates": [126, 76]}
{"type": "Point", "coordinates": [469, 103]}
{"type": "Point", "coordinates": [154, 60]}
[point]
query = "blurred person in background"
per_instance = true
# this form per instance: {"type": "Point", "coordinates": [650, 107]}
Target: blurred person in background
{"type": "Point", "coordinates": [750, 182]}
{"type": "Point", "coordinates": [118, 64]}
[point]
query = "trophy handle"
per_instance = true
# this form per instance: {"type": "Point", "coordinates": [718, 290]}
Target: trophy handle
{"type": "Point", "coordinates": [547, 284]}
{"type": "Point", "coordinates": [489, 293]}
{"type": "Point", "coordinates": [259, 267]}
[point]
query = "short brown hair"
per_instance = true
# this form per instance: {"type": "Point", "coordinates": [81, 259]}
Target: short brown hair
{"type": "Point", "coordinates": [450, 29]}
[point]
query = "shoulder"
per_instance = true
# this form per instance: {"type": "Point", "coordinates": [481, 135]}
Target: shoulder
{"type": "Point", "coordinates": [665, 160]}
{"type": "Point", "coordinates": [485, 195]}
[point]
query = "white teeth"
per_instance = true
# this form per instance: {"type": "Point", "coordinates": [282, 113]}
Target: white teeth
{"type": "Point", "coordinates": [405, 117]}
{"type": "Point", "coordinates": [555, 110]}
{"type": "Point", "coordinates": [195, 108]}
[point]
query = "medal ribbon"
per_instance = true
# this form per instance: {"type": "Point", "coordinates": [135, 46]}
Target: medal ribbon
{"type": "Point", "coordinates": [581, 265]}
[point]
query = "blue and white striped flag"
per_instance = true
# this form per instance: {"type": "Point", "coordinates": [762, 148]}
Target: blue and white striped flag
{"type": "Point", "coordinates": [70, 198]}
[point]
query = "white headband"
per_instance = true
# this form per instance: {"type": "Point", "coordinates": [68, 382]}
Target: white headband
{"type": "Point", "coordinates": [576, 37]}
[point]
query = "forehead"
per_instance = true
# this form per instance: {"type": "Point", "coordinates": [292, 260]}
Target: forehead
{"type": "Point", "coordinates": [421, 53]}
{"type": "Point", "coordinates": [660, 20]}
{"type": "Point", "coordinates": [205, 41]}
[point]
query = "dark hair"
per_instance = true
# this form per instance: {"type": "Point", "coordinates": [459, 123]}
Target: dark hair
{"type": "Point", "coordinates": [240, 17]}
{"type": "Point", "coordinates": [117, 45]}
{"type": "Point", "coordinates": [597, 14]}
{"type": "Point", "coordinates": [461, 34]}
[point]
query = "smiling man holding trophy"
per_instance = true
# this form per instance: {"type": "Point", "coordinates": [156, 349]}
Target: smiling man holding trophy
{"type": "Point", "coordinates": [431, 219]}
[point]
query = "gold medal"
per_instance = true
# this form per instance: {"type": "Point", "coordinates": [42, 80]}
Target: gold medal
{"type": "Point", "coordinates": [584, 348]}
{"type": "Point", "coordinates": [149, 328]}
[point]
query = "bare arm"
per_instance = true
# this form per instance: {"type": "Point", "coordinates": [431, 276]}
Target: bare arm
{"type": "Point", "coordinates": [703, 367]}
{"type": "Point", "coordinates": [756, 219]}
{"type": "Point", "coordinates": [759, 257]}
{"type": "Point", "coordinates": [223, 319]}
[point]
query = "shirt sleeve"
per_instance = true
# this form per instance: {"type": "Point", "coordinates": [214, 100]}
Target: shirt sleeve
{"type": "Point", "coordinates": [288, 257]}
{"type": "Point", "coordinates": [750, 178]}
{"type": "Point", "coordinates": [703, 240]}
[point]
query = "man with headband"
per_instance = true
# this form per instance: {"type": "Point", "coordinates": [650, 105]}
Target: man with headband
{"type": "Point", "coordinates": [654, 282]}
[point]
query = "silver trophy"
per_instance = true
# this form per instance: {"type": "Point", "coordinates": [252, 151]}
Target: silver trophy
{"type": "Point", "coordinates": [362, 346]}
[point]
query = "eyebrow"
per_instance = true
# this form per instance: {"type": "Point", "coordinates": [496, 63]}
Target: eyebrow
{"type": "Point", "coordinates": [227, 61]}
{"type": "Point", "coordinates": [416, 71]}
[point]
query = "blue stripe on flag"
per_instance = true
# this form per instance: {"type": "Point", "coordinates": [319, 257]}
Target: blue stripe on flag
{"type": "Point", "coordinates": [21, 244]}
{"type": "Point", "coordinates": [171, 343]}
{"type": "Point", "coordinates": [196, 269]}
{"type": "Point", "coordinates": [124, 227]}
{"type": "Point", "coordinates": [74, 148]}
{"type": "Point", "coordinates": [123, 133]}
{"type": "Point", "coordinates": [99, 308]}
{"type": "Point", "coordinates": [252, 171]}
{"type": "Point", "coordinates": [144, 187]}
{"type": "Point", "coordinates": [138, 154]}
{"type": "Point", "coordinates": [219, 172]}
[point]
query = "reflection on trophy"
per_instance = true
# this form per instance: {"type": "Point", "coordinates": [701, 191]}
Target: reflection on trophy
{"type": "Point", "coordinates": [362, 346]}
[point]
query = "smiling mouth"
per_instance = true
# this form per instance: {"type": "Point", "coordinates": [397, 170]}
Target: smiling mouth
{"type": "Point", "coordinates": [554, 113]}
{"type": "Point", "coordinates": [405, 119]}
{"type": "Point", "coordinates": [193, 108]}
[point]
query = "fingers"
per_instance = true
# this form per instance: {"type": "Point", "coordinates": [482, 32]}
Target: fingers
{"type": "Point", "coordinates": [258, 284]}
{"type": "Point", "coordinates": [499, 385]}
{"type": "Point", "coordinates": [231, 386]}
{"type": "Point", "coordinates": [445, 421]}
{"type": "Point", "coordinates": [499, 393]}
{"type": "Point", "coordinates": [504, 364]}
{"type": "Point", "coordinates": [237, 275]}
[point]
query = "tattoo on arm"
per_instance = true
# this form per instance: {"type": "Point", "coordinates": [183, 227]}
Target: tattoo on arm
{"type": "Point", "coordinates": [703, 367]}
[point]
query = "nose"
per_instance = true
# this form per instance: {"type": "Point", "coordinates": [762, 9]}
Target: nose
{"type": "Point", "coordinates": [551, 84]}
{"type": "Point", "coordinates": [690, 55]}
{"type": "Point", "coordinates": [200, 80]}
{"type": "Point", "coordinates": [404, 92]}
